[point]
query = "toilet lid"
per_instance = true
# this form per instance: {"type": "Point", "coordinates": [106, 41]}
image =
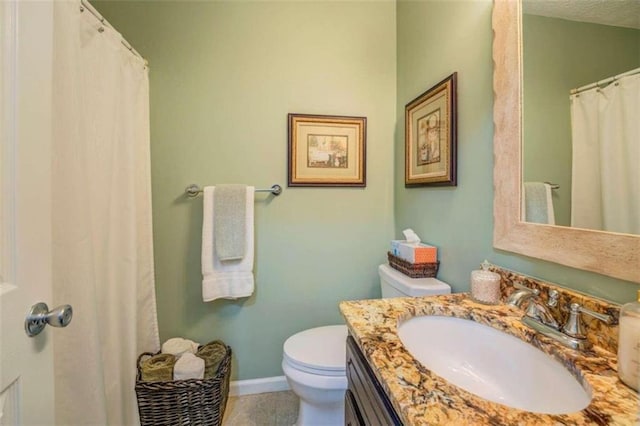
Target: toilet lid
{"type": "Point", "coordinates": [321, 348]}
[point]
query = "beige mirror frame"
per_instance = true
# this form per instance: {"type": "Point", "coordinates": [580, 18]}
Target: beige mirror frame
{"type": "Point", "coordinates": [611, 254]}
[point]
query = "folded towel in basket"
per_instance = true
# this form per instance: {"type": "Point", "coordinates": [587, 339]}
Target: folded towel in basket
{"type": "Point", "coordinates": [212, 353]}
{"type": "Point", "coordinates": [158, 368]}
{"type": "Point", "coordinates": [188, 366]}
{"type": "Point", "coordinates": [178, 346]}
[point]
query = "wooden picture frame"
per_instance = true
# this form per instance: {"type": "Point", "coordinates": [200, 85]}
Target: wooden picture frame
{"type": "Point", "coordinates": [327, 150]}
{"type": "Point", "coordinates": [431, 136]}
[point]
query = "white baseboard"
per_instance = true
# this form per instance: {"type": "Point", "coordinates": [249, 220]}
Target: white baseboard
{"type": "Point", "coordinates": [253, 386]}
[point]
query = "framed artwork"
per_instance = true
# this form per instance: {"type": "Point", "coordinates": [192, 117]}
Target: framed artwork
{"type": "Point", "coordinates": [326, 150]}
{"type": "Point", "coordinates": [430, 136]}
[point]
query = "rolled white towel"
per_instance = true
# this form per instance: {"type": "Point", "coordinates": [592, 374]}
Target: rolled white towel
{"type": "Point", "coordinates": [178, 346]}
{"type": "Point", "coordinates": [188, 366]}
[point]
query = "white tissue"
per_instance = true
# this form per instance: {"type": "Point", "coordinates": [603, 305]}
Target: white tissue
{"type": "Point", "coordinates": [178, 346]}
{"type": "Point", "coordinates": [411, 236]}
{"type": "Point", "coordinates": [188, 366]}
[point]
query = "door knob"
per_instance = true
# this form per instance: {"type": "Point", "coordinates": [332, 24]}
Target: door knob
{"type": "Point", "coordinates": [39, 316]}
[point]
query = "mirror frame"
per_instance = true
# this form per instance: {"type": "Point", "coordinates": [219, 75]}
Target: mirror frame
{"type": "Point", "coordinates": [607, 253]}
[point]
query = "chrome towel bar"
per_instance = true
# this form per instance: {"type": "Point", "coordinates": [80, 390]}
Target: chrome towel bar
{"type": "Point", "coordinates": [193, 190]}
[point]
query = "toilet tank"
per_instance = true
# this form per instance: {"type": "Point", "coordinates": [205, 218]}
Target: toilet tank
{"type": "Point", "coordinates": [396, 284]}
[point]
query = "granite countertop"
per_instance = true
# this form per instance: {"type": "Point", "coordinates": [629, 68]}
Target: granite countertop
{"type": "Point", "coordinates": [421, 397]}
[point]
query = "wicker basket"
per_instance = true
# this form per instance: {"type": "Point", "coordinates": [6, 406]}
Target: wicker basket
{"type": "Point", "coordinates": [413, 270]}
{"type": "Point", "coordinates": [184, 402]}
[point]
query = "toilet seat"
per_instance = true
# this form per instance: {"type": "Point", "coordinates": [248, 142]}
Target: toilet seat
{"type": "Point", "coordinates": [320, 350]}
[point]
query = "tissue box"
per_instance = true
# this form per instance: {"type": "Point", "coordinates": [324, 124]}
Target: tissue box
{"type": "Point", "coordinates": [395, 247]}
{"type": "Point", "coordinates": [414, 252]}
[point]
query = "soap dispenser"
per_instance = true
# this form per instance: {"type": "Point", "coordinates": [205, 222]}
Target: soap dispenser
{"type": "Point", "coordinates": [629, 344]}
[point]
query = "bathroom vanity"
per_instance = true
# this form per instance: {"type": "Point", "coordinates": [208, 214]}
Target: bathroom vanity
{"type": "Point", "coordinates": [387, 385]}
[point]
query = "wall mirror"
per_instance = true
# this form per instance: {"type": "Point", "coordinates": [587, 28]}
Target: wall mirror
{"type": "Point", "coordinates": [610, 253]}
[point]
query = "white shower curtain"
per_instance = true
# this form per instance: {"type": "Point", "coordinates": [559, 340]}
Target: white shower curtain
{"type": "Point", "coordinates": [606, 157]}
{"type": "Point", "coordinates": [103, 253]}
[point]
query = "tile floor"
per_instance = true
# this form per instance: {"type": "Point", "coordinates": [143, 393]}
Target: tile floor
{"type": "Point", "coordinates": [264, 409]}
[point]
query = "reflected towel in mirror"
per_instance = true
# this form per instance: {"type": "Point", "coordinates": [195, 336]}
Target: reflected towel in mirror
{"type": "Point", "coordinates": [537, 203]}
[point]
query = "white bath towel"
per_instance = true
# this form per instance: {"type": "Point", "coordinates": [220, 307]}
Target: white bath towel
{"type": "Point", "coordinates": [178, 346]}
{"type": "Point", "coordinates": [537, 203]}
{"type": "Point", "coordinates": [188, 366]}
{"type": "Point", "coordinates": [230, 279]}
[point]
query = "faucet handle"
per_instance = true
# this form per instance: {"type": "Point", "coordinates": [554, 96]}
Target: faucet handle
{"type": "Point", "coordinates": [605, 318]}
{"type": "Point", "coordinates": [573, 326]}
{"type": "Point", "coordinates": [552, 302]}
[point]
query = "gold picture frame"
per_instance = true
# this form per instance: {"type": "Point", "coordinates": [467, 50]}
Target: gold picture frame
{"type": "Point", "coordinates": [327, 150]}
{"type": "Point", "coordinates": [431, 136]}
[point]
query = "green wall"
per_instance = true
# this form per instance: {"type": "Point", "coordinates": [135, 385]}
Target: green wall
{"type": "Point", "coordinates": [223, 76]}
{"type": "Point", "coordinates": [561, 55]}
{"type": "Point", "coordinates": [436, 38]}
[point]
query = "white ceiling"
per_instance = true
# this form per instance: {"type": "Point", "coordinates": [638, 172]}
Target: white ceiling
{"type": "Point", "coordinates": [620, 13]}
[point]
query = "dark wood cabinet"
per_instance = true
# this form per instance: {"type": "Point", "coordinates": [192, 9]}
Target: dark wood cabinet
{"type": "Point", "coordinates": [366, 403]}
{"type": "Point", "coordinates": [351, 414]}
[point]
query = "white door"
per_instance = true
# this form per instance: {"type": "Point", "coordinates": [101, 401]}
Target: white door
{"type": "Point", "coordinates": [26, 364]}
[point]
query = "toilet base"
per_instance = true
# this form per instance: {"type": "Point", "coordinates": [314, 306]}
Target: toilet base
{"type": "Point", "coordinates": [321, 397]}
{"type": "Point", "coordinates": [320, 415]}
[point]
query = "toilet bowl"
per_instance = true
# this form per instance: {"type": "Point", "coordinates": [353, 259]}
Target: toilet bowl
{"type": "Point", "coordinates": [315, 370]}
{"type": "Point", "coordinates": [314, 359]}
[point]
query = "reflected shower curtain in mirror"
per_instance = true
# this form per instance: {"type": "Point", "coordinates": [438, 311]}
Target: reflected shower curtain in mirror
{"type": "Point", "coordinates": [102, 236]}
{"type": "Point", "coordinates": [605, 128]}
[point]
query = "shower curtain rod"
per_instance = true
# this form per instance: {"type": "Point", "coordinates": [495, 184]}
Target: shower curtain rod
{"type": "Point", "coordinates": [605, 82]}
{"type": "Point", "coordinates": [85, 5]}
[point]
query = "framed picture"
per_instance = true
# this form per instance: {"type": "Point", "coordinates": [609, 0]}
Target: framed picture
{"type": "Point", "coordinates": [430, 136]}
{"type": "Point", "coordinates": [327, 150]}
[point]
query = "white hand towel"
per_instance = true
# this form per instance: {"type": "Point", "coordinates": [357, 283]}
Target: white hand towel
{"type": "Point", "coordinates": [230, 279]}
{"type": "Point", "coordinates": [188, 366]}
{"type": "Point", "coordinates": [178, 346]}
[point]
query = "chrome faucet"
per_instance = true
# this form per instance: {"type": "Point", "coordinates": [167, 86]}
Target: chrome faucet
{"type": "Point", "coordinates": [521, 295]}
{"type": "Point", "coordinates": [540, 317]}
{"type": "Point", "coordinates": [535, 310]}
{"type": "Point", "coordinates": [539, 312]}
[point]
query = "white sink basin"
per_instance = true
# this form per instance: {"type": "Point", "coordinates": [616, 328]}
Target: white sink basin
{"type": "Point", "coordinates": [493, 365]}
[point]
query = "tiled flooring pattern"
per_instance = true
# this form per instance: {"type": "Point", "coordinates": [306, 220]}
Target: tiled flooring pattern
{"type": "Point", "coordinates": [264, 409]}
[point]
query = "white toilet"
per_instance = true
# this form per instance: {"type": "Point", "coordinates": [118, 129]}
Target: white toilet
{"type": "Point", "coordinates": [314, 359]}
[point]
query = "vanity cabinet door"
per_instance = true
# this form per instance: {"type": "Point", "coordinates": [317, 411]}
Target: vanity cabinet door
{"type": "Point", "coordinates": [351, 414]}
{"type": "Point", "coordinates": [369, 404]}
